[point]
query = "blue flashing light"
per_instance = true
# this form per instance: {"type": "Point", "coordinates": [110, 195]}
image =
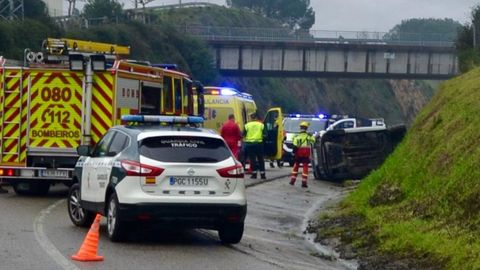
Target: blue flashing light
{"type": "Point", "coordinates": [166, 66]}
{"type": "Point", "coordinates": [298, 115]}
{"type": "Point", "coordinates": [132, 118]}
{"type": "Point", "coordinates": [163, 119]}
{"type": "Point", "coordinates": [228, 91]}
{"type": "Point", "coordinates": [246, 96]}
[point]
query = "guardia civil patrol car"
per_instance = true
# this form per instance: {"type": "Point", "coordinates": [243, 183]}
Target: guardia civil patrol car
{"type": "Point", "coordinates": [171, 173]}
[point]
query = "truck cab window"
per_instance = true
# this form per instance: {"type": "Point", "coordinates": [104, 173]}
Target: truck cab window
{"type": "Point", "coordinates": [150, 100]}
{"type": "Point", "coordinates": [178, 95]}
{"type": "Point", "coordinates": [167, 95]}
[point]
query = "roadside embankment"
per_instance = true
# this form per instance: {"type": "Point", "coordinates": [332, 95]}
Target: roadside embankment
{"type": "Point", "coordinates": [421, 209]}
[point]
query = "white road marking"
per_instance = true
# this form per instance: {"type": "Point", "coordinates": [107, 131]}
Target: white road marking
{"type": "Point", "coordinates": [45, 243]}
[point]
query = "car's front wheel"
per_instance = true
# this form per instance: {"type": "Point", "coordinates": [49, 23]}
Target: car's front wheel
{"type": "Point", "coordinates": [231, 233]}
{"type": "Point", "coordinates": [115, 226]}
{"type": "Point", "coordinates": [78, 215]}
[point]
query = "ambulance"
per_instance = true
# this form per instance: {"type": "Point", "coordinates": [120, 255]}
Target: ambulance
{"type": "Point", "coordinates": [220, 102]}
{"type": "Point", "coordinates": [68, 95]}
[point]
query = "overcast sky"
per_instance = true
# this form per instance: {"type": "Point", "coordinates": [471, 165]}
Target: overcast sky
{"type": "Point", "coordinates": [371, 15]}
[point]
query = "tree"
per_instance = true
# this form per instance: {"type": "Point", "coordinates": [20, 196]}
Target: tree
{"type": "Point", "coordinates": [102, 8]}
{"type": "Point", "coordinates": [297, 14]}
{"type": "Point", "coordinates": [468, 42]}
{"type": "Point", "coordinates": [35, 9]}
{"type": "Point", "coordinates": [425, 29]}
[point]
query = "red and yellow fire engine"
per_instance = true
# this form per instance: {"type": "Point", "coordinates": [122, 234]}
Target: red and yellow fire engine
{"type": "Point", "coordinates": [69, 95]}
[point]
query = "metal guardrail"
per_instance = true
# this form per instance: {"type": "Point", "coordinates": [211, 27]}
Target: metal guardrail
{"type": "Point", "coordinates": [183, 5]}
{"type": "Point", "coordinates": [317, 36]}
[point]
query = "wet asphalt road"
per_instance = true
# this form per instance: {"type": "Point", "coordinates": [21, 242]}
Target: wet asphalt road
{"type": "Point", "coordinates": [36, 233]}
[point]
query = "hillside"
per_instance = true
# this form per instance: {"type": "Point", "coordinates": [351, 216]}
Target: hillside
{"type": "Point", "coordinates": [423, 203]}
{"type": "Point", "coordinates": [161, 41]}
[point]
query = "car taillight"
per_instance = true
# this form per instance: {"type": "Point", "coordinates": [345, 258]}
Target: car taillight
{"type": "Point", "coordinates": [235, 171]}
{"type": "Point", "coordinates": [134, 168]}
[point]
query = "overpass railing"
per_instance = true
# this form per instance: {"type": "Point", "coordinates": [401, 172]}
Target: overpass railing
{"type": "Point", "coordinates": [319, 36]}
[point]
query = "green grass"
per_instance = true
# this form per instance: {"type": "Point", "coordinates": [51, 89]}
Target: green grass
{"type": "Point", "coordinates": [436, 169]}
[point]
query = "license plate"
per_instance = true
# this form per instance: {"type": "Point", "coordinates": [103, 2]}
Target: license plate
{"type": "Point", "coordinates": [188, 181]}
{"type": "Point", "coordinates": [54, 173]}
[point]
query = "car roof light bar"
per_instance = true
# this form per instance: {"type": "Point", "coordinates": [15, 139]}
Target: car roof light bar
{"type": "Point", "coordinates": [297, 115]}
{"type": "Point", "coordinates": [163, 119]}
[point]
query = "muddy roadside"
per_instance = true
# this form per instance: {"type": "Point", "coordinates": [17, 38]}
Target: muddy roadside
{"type": "Point", "coordinates": [352, 240]}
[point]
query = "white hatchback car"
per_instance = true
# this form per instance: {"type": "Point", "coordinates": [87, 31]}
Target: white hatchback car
{"type": "Point", "coordinates": [151, 172]}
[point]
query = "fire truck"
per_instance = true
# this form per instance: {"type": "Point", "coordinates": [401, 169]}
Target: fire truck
{"type": "Point", "coordinates": [68, 95]}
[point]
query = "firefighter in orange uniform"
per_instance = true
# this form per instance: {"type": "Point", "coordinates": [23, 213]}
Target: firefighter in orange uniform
{"type": "Point", "coordinates": [302, 143]}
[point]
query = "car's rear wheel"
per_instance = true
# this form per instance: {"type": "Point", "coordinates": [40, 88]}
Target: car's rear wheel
{"type": "Point", "coordinates": [78, 215]}
{"type": "Point", "coordinates": [116, 228]}
{"type": "Point", "coordinates": [231, 233]}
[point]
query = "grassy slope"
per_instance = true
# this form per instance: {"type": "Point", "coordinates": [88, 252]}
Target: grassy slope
{"type": "Point", "coordinates": [426, 197]}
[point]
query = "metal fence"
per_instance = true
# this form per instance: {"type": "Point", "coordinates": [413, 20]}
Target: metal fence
{"type": "Point", "coordinates": [319, 36]}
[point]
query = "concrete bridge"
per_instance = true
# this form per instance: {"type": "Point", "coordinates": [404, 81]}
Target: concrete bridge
{"type": "Point", "coordinates": [277, 53]}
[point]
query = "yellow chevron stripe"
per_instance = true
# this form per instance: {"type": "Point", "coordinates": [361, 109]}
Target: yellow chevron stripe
{"type": "Point", "coordinates": [12, 81]}
{"type": "Point", "coordinates": [8, 157]}
{"type": "Point", "coordinates": [24, 124]}
{"type": "Point", "coordinates": [13, 114]}
{"type": "Point", "coordinates": [102, 102]}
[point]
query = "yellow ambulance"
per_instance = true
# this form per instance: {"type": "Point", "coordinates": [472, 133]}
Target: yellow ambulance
{"type": "Point", "coordinates": [223, 101]}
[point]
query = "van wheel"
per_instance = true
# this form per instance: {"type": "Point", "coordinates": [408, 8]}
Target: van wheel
{"type": "Point", "coordinates": [31, 188]}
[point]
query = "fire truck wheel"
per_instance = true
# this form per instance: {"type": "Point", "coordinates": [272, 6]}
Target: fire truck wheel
{"type": "Point", "coordinates": [31, 188]}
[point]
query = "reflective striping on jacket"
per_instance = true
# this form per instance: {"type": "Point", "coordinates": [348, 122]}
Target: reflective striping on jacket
{"type": "Point", "coordinates": [303, 139]}
{"type": "Point", "coordinates": [254, 131]}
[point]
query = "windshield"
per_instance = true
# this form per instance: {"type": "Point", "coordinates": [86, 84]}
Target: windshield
{"type": "Point", "coordinates": [292, 125]}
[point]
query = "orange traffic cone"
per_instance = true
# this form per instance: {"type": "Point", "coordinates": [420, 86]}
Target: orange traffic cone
{"type": "Point", "coordinates": [88, 250]}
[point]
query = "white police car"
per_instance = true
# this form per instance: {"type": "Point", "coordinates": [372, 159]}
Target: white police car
{"type": "Point", "coordinates": [165, 173]}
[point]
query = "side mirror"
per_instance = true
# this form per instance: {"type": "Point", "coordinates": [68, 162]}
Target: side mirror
{"type": "Point", "coordinates": [84, 150]}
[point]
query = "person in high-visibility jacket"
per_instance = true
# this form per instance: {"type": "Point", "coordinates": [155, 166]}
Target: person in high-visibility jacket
{"type": "Point", "coordinates": [253, 135]}
{"type": "Point", "coordinates": [302, 142]}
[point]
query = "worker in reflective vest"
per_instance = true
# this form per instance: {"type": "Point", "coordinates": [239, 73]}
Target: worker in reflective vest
{"type": "Point", "coordinates": [301, 146]}
{"type": "Point", "coordinates": [253, 139]}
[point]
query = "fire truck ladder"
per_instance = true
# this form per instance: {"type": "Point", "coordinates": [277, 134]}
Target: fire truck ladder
{"type": "Point", "coordinates": [58, 46]}
{"type": "Point", "coordinates": [11, 118]}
